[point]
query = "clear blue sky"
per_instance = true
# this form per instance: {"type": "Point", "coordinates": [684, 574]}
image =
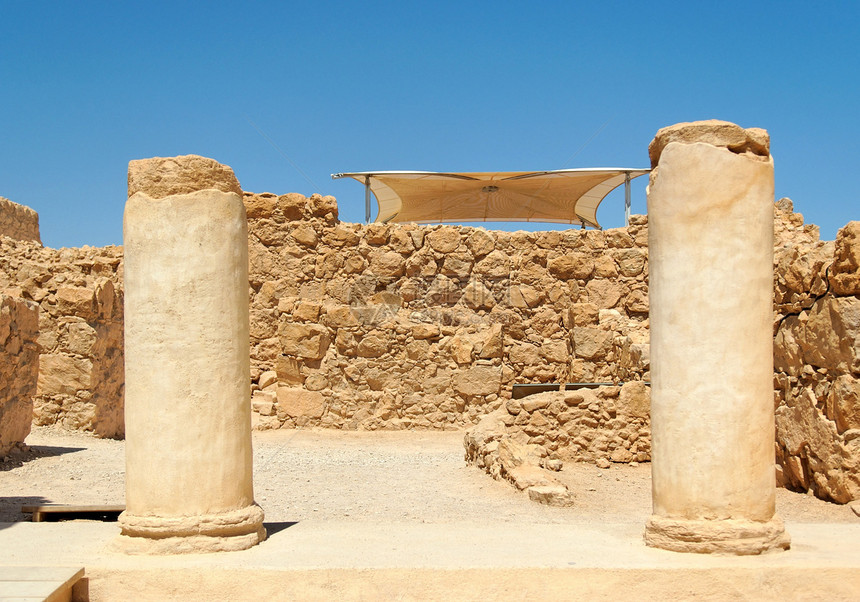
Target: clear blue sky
{"type": "Point", "coordinates": [440, 86]}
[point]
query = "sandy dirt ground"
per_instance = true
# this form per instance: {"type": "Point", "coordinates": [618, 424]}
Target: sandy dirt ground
{"type": "Point", "coordinates": [360, 476]}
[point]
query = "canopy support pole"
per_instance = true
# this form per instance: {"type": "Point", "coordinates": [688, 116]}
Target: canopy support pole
{"type": "Point", "coordinates": [367, 199]}
{"type": "Point", "coordinates": [627, 198]}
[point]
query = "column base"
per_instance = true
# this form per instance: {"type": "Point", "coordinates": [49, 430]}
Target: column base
{"type": "Point", "coordinates": [223, 532]}
{"type": "Point", "coordinates": [730, 536]}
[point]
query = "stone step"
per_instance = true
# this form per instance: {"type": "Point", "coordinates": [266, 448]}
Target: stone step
{"type": "Point", "coordinates": [38, 583]}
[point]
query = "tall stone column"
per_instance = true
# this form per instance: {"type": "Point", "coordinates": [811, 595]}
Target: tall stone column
{"type": "Point", "coordinates": [710, 219]}
{"type": "Point", "coordinates": [187, 386]}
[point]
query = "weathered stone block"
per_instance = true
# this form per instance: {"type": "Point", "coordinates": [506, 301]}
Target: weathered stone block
{"type": "Point", "coordinates": [831, 338]}
{"type": "Point", "coordinates": [160, 177]}
{"type": "Point", "coordinates": [258, 206]}
{"type": "Point", "coordinates": [571, 265]}
{"type": "Point", "coordinates": [591, 343]}
{"type": "Point", "coordinates": [480, 243]}
{"type": "Point", "coordinates": [61, 374]}
{"type": "Point", "coordinates": [310, 341]}
{"type": "Point", "coordinates": [389, 264]}
{"type": "Point", "coordinates": [373, 344]}
{"type": "Point", "coordinates": [295, 402]}
{"type": "Point", "coordinates": [19, 369]}
{"type": "Point", "coordinates": [845, 273]}
{"type": "Point", "coordinates": [480, 380]}
{"type": "Point", "coordinates": [495, 265]}
{"type": "Point", "coordinates": [76, 301]}
{"type": "Point", "coordinates": [444, 239]}
{"type": "Point", "coordinates": [843, 403]}
{"type": "Point", "coordinates": [289, 370]}
{"type": "Point", "coordinates": [635, 400]}
{"type": "Point", "coordinates": [714, 132]}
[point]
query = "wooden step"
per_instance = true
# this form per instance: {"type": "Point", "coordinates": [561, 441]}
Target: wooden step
{"type": "Point", "coordinates": [38, 583]}
{"type": "Point", "coordinates": [57, 512]}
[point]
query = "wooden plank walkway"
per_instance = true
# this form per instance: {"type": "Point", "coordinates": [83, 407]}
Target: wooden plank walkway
{"type": "Point", "coordinates": [46, 512]}
{"type": "Point", "coordinates": [38, 583]}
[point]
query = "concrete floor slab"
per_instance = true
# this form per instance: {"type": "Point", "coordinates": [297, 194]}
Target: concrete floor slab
{"type": "Point", "coordinates": [360, 560]}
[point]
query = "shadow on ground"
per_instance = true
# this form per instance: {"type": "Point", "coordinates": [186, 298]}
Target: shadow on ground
{"type": "Point", "coordinates": [18, 457]}
{"type": "Point", "coordinates": [10, 508]}
{"type": "Point", "coordinates": [274, 528]}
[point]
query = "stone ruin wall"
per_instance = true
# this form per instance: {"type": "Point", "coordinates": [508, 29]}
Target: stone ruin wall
{"type": "Point", "coordinates": [817, 358]}
{"type": "Point", "coordinates": [19, 368]}
{"type": "Point", "coordinates": [78, 292]}
{"type": "Point", "coordinates": [18, 222]}
{"type": "Point", "coordinates": [378, 326]}
{"type": "Point", "coordinates": [403, 326]}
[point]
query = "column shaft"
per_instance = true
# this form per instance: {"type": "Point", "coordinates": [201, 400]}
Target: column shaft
{"type": "Point", "coordinates": [187, 407]}
{"type": "Point", "coordinates": [710, 214]}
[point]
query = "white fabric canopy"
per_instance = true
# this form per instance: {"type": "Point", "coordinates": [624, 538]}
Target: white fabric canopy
{"type": "Point", "coordinates": [569, 196]}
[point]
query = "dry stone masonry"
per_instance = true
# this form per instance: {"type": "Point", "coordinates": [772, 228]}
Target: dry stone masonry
{"type": "Point", "coordinates": [402, 326]}
{"type": "Point", "coordinates": [79, 296]}
{"type": "Point", "coordinates": [19, 368]}
{"type": "Point", "coordinates": [542, 431]}
{"type": "Point", "coordinates": [817, 358]}
{"type": "Point", "coordinates": [18, 222]}
{"type": "Point", "coordinates": [383, 326]}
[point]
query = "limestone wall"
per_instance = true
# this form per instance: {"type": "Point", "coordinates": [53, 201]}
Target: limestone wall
{"type": "Point", "coordinates": [403, 326]}
{"type": "Point", "coordinates": [18, 222]}
{"type": "Point", "coordinates": [19, 369]}
{"type": "Point", "coordinates": [78, 291]}
{"type": "Point", "coordinates": [378, 326]}
{"type": "Point", "coordinates": [817, 359]}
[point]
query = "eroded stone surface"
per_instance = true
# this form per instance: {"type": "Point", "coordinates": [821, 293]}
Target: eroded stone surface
{"type": "Point", "coordinates": [722, 134]}
{"type": "Point", "coordinates": [159, 177]}
{"type": "Point", "coordinates": [18, 221]}
{"type": "Point", "coordinates": [19, 369]}
{"type": "Point", "coordinates": [733, 536]}
{"type": "Point", "coordinates": [228, 531]}
{"type": "Point", "coordinates": [845, 272]}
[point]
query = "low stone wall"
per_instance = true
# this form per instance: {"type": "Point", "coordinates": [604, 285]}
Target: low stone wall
{"type": "Point", "coordinates": [80, 328]}
{"type": "Point", "coordinates": [527, 439]}
{"type": "Point", "coordinates": [404, 326]}
{"type": "Point", "coordinates": [18, 222]}
{"type": "Point", "coordinates": [607, 424]}
{"type": "Point", "coordinates": [817, 362]}
{"type": "Point", "coordinates": [19, 369]}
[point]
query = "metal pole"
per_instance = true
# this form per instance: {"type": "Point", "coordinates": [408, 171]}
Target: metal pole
{"type": "Point", "coordinates": [627, 198]}
{"type": "Point", "coordinates": [367, 199]}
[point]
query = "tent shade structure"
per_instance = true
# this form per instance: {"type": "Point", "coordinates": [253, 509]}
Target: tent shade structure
{"type": "Point", "coordinates": [567, 196]}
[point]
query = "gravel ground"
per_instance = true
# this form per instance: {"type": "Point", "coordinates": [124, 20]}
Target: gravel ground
{"type": "Point", "coordinates": [361, 476]}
